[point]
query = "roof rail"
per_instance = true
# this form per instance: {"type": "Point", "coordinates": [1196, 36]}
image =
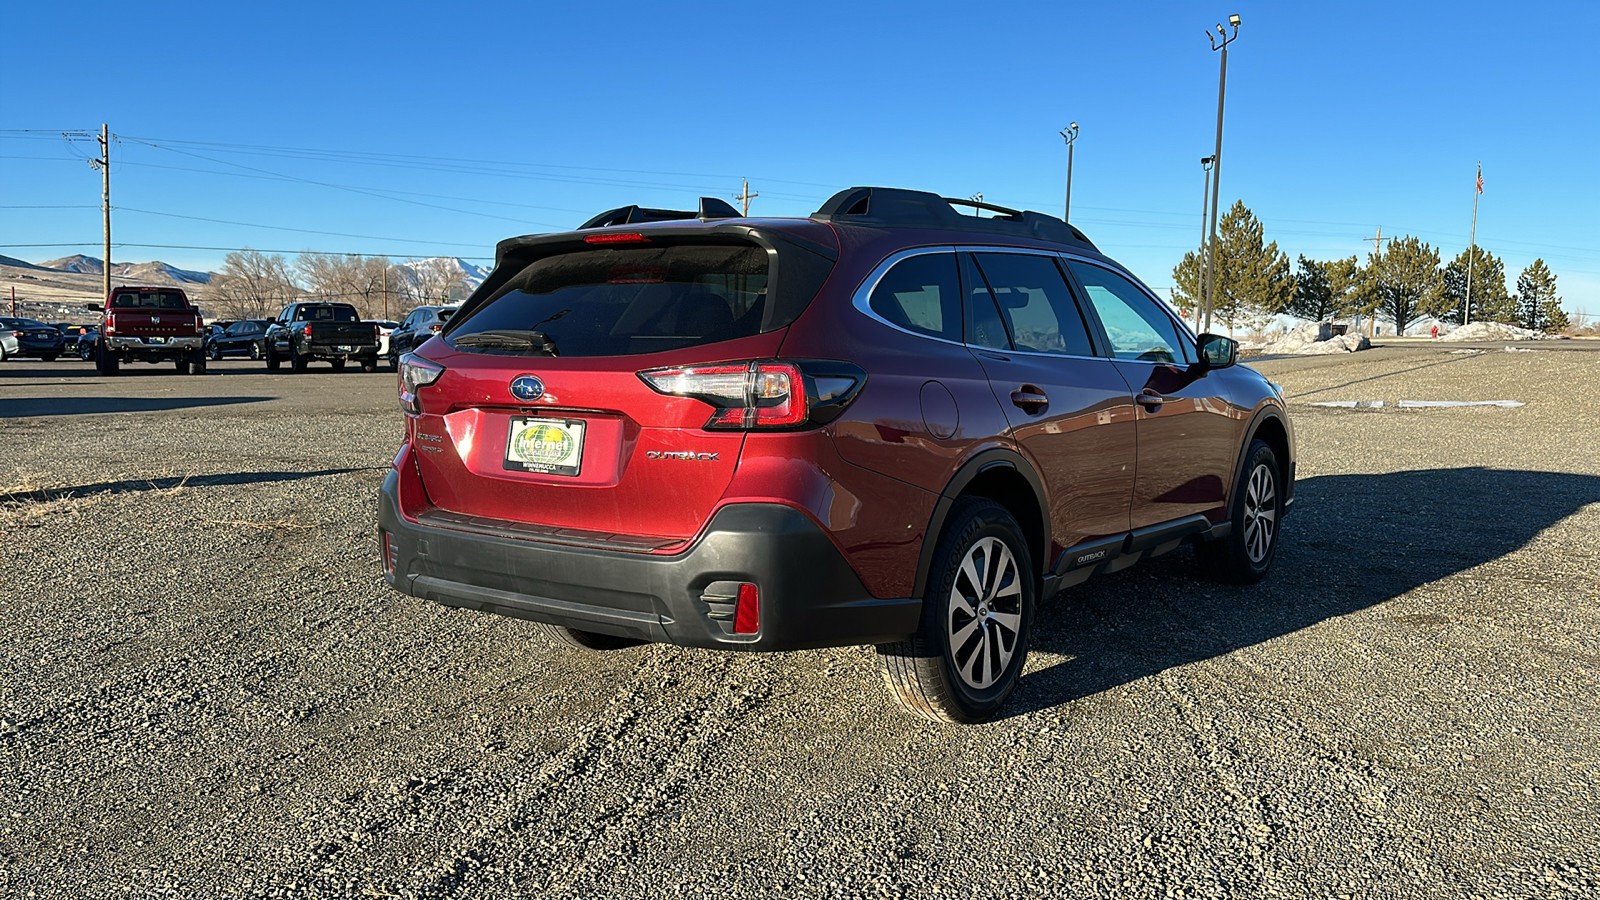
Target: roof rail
{"type": "Point", "coordinates": [710, 208]}
{"type": "Point", "coordinates": [897, 206]}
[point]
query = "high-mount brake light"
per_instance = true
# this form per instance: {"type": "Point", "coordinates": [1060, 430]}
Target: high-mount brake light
{"type": "Point", "coordinates": [616, 237]}
{"type": "Point", "coordinates": [415, 374]}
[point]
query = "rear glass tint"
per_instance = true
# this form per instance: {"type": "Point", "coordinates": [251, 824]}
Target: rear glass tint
{"type": "Point", "coordinates": [148, 300]}
{"type": "Point", "coordinates": [627, 301]}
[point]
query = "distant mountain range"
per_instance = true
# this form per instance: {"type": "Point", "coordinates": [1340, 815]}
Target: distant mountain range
{"type": "Point", "coordinates": [415, 270]}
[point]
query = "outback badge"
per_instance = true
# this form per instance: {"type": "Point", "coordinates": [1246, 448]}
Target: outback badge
{"type": "Point", "coordinates": [527, 387]}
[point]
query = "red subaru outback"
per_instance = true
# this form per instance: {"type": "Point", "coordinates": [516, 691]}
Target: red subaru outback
{"type": "Point", "coordinates": [890, 423]}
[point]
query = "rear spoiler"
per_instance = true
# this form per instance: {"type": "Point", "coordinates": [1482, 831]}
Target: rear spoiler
{"type": "Point", "coordinates": [710, 208]}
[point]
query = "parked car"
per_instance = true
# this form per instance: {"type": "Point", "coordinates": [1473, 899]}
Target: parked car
{"type": "Point", "coordinates": [29, 337]}
{"type": "Point", "coordinates": [86, 343]}
{"type": "Point", "coordinates": [70, 332]}
{"type": "Point", "coordinates": [385, 328]}
{"type": "Point", "coordinates": [889, 423]}
{"type": "Point", "coordinates": [420, 324]}
{"type": "Point", "coordinates": [305, 332]}
{"type": "Point", "coordinates": [242, 338]}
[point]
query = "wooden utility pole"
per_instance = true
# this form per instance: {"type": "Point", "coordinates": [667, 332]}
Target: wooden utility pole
{"type": "Point", "coordinates": [1377, 250]}
{"type": "Point", "coordinates": [745, 197]}
{"type": "Point", "coordinates": [104, 165]}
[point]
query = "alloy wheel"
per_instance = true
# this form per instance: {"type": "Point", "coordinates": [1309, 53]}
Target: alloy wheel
{"type": "Point", "coordinates": [985, 613]}
{"type": "Point", "coordinates": [1260, 513]}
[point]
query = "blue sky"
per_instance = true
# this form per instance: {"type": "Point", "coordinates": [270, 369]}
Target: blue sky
{"type": "Point", "coordinates": [436, 130]}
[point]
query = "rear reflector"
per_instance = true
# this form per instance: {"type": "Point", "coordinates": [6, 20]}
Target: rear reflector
{"type": "Point", "coordinates": [388, 552]}
{"type": "Point", "coordinates": [747, 615]}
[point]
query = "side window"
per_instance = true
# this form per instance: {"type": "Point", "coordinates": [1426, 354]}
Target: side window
{"type": "Point", "coordinates": [920, 294]}
{"type": "Point", "coordinates": [1135, 323]}
{"type": "Point", "coordinates": [985, 328]}
{"type": "Point", "coordinates": [1035, 303]}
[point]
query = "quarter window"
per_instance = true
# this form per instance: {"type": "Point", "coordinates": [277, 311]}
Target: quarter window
{"type": "Point", "coordinates": [920, 294]}
{"type": "Point", "coordinates": [1135, 324]}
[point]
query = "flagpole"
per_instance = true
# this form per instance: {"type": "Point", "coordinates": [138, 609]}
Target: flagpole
{"type": "Point", "coordinates": [1472, 244]}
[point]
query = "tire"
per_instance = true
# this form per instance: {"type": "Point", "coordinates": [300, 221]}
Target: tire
{"type": "Point", "coordinates": [584, 640]}
{"type": "Point", "coordinates": [338, 365]}
{"type": "Point", "coordinates": [1245, 555]}
{"type": "Point", "coordinates": [216, 353]}
{"type": "Point", "coordinates": [182, 366]}
{"type": "Point", "coordinates": [297, 363]}
{"type": "Point", "coordinates": [105, 361]}
{"type": "Point", "coordinates": [49, 357]}
{"type": "Point", "coordinates": [977, 616]}
{"type": "Point", "coordinates": [255, 350]}
{"type": "Point", "coordinates": [197, 365]}
{"type": "Point", "coordinates": [370, 365]}
{"type": "Point", "coordinates": [85, 351]}
{"type": "Point", "coordinates": [3, 354]}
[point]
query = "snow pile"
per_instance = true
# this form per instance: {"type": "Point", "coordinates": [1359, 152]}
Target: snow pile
{"type": "Point", "coordinates": [1315, 337]}
{"type": "Point", "coordinates": [1494, 331]}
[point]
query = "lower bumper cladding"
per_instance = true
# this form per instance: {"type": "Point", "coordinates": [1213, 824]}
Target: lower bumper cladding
{"type": "Point", "coordinates": [761, 577]}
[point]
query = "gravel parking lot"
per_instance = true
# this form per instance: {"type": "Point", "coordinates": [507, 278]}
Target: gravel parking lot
{"type": "Point", "coordinates": [207, 690]}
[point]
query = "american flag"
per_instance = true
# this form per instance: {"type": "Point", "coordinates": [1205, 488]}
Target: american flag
{"type": "Point", "coordinates": [1480, 181]}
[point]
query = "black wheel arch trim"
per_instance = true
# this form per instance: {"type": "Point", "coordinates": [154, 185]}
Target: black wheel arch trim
{"type": "Point", "coordinates": [980, 464]}
{"type": "Point", "coordinates": [1285, 466]}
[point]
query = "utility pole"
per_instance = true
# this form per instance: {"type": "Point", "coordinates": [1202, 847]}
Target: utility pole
{"type": "Point", "coordinates": [1377, 251]}
{"type": "Point", "coordinates": [745, 197]}
{"type": "Point", "coordinates": [386, 290]}
{"type": "Point", "coordinates": [1200, 306]}
{"type": "Point", "coordinates": [104, 165]}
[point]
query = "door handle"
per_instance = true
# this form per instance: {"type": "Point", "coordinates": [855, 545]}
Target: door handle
{"type": "Point", "coordinates": [1150, 400]}
{"type": "Point", "coordinates": [1030, 399]}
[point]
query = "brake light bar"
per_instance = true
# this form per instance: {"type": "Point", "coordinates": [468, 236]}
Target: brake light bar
{"type": "Point", "coordinates": [616, 237]}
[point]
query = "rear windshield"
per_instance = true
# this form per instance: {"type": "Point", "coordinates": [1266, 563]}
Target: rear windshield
{"type": "Point", "coordinates": [327, 314]}
{"type": "Point", "coordinates": [626, 301]}
{"type": "Point", "coordinates": [148, 300]}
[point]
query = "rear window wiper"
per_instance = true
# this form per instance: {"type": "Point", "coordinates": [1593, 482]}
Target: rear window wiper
{"type": "Point", "coordinates": [508, 339]}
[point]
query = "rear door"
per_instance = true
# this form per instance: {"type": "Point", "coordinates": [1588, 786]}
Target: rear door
{"type": "Point", "coordinates": [1068, 407]}
{"type": "Point", "coordinates": [569, 438]}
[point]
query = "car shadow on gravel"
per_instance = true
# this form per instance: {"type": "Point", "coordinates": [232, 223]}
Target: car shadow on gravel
{"type": "Point", "coordinates": [138, 485]}
{"type": "Point", "coordinates": [88, 406]}
{"type": "Point", "coordinates": [1352, 543]}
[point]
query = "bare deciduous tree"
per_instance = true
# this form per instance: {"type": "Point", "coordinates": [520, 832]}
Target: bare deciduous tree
{"type": "Point", "coordinates": [252, 285]}
{"type": "Point", "coordinates": [351, 278]}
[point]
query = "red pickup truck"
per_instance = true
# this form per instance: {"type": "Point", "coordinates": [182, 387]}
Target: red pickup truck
{"type": "Point", "coordinates": [152, 324]}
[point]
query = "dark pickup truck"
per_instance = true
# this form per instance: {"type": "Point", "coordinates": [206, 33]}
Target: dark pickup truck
{"type": "Point", "coordinates": [326, 331]}
{"type": "Point", "coordinates": [150, 324]}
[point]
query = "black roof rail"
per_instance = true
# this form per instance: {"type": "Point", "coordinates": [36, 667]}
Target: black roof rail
{"type": "Point", "coordinates": [898, 206]}
{"type": "Point", "coordinates": [710, 208]}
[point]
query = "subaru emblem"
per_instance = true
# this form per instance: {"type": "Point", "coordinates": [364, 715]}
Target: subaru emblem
{"type": "Point", "coordinates": [527, 387]}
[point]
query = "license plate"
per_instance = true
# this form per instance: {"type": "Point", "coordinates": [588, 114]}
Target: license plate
{"type": "Point", "coordinates": [343, 348]}
{"type": "Point", "coordinates": [546, 446]}
{"type": "Point", "coordinates": [157, 340]}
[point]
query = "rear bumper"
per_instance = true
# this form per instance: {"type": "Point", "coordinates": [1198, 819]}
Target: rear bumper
{"type": "Point", "coordinates": [810, 596]}
{"type": "Point", "coordinates": [137, 346]}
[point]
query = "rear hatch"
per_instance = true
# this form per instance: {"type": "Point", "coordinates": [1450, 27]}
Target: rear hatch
{"type": "Point", "coordinates": [349, 335]}
{"type": "Point", "coordinates": [541, 419]}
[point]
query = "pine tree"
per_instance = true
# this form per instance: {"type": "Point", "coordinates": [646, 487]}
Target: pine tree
{"type": "Point", "coordinates": [1252, 280]}
{"type": "Point", "coordinates": [1403, 283]}
{"type": "Point", "coordinates": [1490, 300]}
{"type": "Point", "coordinates": [1537, 298]}
{"type": "Point", "coordinates": [1322, 290]}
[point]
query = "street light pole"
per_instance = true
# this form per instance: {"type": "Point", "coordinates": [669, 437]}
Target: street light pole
{"type": "Point", "coordinates": [1205, 201]}
{"type": "Point", "coordinates": [1216, 160]}
{"type": "Point", "coordinates": [1070, 135]}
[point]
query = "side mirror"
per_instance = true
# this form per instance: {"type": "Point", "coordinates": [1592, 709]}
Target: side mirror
{"type": "Point", "coordinates": [1218, 352]}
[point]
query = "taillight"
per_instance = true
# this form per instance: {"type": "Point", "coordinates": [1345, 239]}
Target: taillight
{"type": "Point", "coordinates": [415, 373]}
{"type": "Point", "coordinates": [111, 324]}
{"type": "Point", "coordinates": [763, 394]}
{"type": "Point", "coordinates": [199, 325]}
{"type": "Point", "coordinates": [434, 327]}
{"type": "Point", "coordinates": [307, 331]}
{"type": "Point", "coordinates": [16, 334]}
